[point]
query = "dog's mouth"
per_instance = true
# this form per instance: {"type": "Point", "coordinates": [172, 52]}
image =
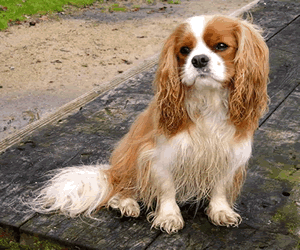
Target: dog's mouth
{"type": "Point", "coordinates": [203, 76]}
{"type": "Point", "coordinates": [207, 78]}
{"type": "Point", "coordinates": [203, 73]}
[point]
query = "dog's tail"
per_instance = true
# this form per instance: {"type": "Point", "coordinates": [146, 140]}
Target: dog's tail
{"type": "Point", "coordinates": [73, 190]}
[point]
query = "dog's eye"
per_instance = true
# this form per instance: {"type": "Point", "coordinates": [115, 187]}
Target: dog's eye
{"type": "Point", "coordinates": [185, 50]}
{"type": "Point", "coordinates": [221, 46]}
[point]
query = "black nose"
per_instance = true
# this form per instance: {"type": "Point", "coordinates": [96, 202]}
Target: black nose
{"type": "Point", "coordinates": [200, 61]}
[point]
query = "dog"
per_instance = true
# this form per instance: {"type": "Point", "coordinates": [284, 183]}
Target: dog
{"type": "Point", "coordinates": [193, 141]}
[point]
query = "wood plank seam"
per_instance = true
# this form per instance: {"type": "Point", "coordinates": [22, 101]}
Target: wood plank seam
{"type": "Point", "coordinates": [277, 32]}
{"type": "Point", "coordinates": [264, 119]}
{"type": "Point", "coordinates": [278, 105]}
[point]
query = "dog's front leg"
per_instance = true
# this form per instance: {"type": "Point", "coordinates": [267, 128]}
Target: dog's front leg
{"type": "Point", "coordinates": [219, 211]}
{"type": "Point", "coordinates": [227, 188]}
{"type": "Point", "coordinates": [167, 216]}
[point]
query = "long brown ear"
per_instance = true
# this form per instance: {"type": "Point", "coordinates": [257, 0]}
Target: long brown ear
{"type": "Point", "coordinates": [248, 97]}
{"type": "Point", "coordinates": [169, 90]}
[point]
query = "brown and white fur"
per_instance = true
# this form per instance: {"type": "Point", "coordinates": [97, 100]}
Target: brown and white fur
{"type": "Point", "coordinates": [194, 139]}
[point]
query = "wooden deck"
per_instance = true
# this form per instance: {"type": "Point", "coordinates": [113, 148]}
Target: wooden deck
{"type": "Point", "coordinates": [270, 201]}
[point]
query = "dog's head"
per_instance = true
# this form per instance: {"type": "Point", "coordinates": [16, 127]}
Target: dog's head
{"type": "Point", "coordinates": [215, 52]}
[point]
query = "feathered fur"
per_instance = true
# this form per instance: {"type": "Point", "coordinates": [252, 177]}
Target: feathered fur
{"type": "Point", "coordinates": [248, 97]}
{"type": "Point", "coordinates": [194, 139]}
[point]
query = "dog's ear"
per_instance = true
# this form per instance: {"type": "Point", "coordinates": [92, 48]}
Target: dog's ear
{"type": "Point", "coordinates": [170, 91]}
{"type": "Point", "coordinates": [248, 97]}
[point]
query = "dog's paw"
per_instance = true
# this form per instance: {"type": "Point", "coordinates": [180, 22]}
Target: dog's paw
{"type": "Point", "coordinates": [169, 223]}
{"type": "Point", "coordinates": [225, 217]}
{"type": "Point", "coordinates": [128, 206]}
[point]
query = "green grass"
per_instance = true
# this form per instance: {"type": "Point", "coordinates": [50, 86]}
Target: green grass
{"type": "Point", "coordinates": [174, 2]}
{"type": "Point", "coordinates": [116, 7]}
{"type": "Point", "coordinates": [7, 241]}
{"type": "Point", "coordinates": [14, 10]}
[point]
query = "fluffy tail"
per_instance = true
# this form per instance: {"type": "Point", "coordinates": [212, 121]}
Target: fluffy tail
{"type": "Point", "coordinates": [73, 190]}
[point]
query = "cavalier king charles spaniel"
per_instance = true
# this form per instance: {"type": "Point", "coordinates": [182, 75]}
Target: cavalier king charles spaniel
{"type": "Point", "coordinates": [193, 141]}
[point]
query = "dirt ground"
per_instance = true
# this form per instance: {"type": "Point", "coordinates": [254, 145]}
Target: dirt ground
{"type": "Point", "coordinates": [57, 58]}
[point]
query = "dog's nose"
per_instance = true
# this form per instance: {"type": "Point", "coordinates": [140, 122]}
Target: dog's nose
{"type": "Point", "coordinates": [200, 61]}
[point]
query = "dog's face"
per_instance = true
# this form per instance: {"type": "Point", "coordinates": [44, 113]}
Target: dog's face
{"type": "Point", "coordinates": [205, 49]}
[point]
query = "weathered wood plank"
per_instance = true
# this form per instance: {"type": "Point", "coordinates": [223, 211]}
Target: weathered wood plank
{"type": "Point", "coordinates": [110, 232]}
{"type": "Point", "coordinates": [245, 239]}
{"type": "Point", "coordinates": [284, 64]}
{"type": "Point", "coordinates": [273, 15]}
{"type": "Point", "coordinates": [277, 151]}
{"type": "Point", "coordinates": [287, 39]}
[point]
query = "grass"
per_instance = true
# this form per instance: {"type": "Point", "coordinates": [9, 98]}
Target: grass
{"type": "Point", "coordinates": [7, 241]}
{"type": "Point", "coordinates": [17, 10]}
{"type": "Point", "coordinates": [116, 7]}
{"type": "Point", "coordinates": [173, 2]}
{"type": "Point", "coordinates": [14, 11]}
